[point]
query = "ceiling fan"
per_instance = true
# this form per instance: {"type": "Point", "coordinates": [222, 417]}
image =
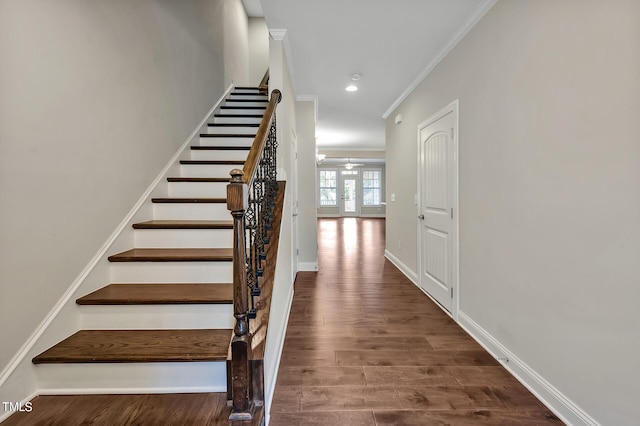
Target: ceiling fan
{"type": "Point", "coordinates": [351, 165]}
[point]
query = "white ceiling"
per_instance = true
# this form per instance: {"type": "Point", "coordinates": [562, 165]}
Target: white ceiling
{"type": "Point", "coordinates": [391, 43]}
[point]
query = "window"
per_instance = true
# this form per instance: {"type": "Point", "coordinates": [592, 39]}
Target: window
{"type": "Point", "coordinates": [371, 183]}
{"type": "Point", "coordinates": [328, 187]}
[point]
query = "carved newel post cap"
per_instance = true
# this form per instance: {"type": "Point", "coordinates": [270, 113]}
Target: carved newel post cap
{"type": "Point", "coordinates": [236, 175]}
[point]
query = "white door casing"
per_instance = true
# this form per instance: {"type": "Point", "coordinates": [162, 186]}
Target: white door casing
{"type": "Point", "coordinates": [294, 203]}
{"type": "Point", "coordinates": [438, 207]}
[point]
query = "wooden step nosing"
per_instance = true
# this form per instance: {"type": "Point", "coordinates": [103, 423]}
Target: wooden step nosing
{"type": "Point", "coordinates": [183, 224]}
{"type": "Point", "coordinates": [198, 179]}
{"type": "Point", "coordinates": [266, 101]}
{"type": "Point", "coordinates": [233, 125]}
{"type": "Point", "coordinates": [171, 200]}
{"type": "Point", "coordinates": [238, 115]}
{"type": "Point", "coordinates": [225, 135]}
{"type": "Point", "coordinates": [238, 107]}
{"type": "Point", "coordinates": [220, 148]}
{"type": "Point", "coordinates": [212, 162]}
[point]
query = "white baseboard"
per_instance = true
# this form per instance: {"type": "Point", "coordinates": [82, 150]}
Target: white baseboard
{"type": "Point", "coordinates": [22, 359]}
{"type": "Point", "coordinates": [555, 400]}
{"type": "Point", "coordinates": [308, 266]}
{"type": "Point", "coordinates": [403, 268]}
{"type": "Point", "coordinates": [270, 386]}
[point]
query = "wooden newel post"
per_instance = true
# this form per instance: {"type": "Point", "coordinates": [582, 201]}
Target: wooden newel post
{"type": "Point", "coordinates": [241, 383]}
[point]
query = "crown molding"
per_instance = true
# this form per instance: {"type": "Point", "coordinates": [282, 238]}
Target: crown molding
{"type": "Point", "coordinates": [482, 10]}
{"type": "Point", "coordinates": [278, 34]}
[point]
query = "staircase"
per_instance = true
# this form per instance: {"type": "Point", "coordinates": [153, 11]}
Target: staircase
{"type": "Point", "coordinates": [164, 323]}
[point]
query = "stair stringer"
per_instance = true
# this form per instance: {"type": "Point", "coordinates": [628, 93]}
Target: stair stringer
{"type": "Point", "coordinates": [19, 380]}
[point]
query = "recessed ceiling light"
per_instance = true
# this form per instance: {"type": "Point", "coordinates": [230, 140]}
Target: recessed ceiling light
{"type": "Point", "coordinates": [355, 76]}
{"type": "Point", "coordinates": [351, 88]}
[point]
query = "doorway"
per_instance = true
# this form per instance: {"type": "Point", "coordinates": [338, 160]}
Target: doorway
{"type": "Point", "coordinates": [349, 202]}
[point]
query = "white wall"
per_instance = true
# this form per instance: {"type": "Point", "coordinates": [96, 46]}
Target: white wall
{"type": "Point", "coordinates": [258, 50]}
{"type": "Point", "coordinates": [95, 99]}
{"type": "Point", "coordinates": [236, 49]}
{"type": "Point", "coordinates": [549, 202]}
{"type": "Point", "coordinates": [307, 218]}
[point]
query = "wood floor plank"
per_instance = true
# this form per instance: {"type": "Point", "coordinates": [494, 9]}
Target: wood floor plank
{"type": "Point", "coordinates": [463, 418]}
{"type": "Point", "coordinates": [321, 376]}
{"type": "Point", "coordinates": [90, 346]}
{"type": "Point", "coordinates": [342, 398]}
{"type": "Point", "coordinates": [324, 418]}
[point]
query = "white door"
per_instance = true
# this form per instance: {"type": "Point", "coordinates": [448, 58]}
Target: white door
{"type": "Point", "coordinates": [349, 196]}
{"type": "Point", "coordinates": [438, 207]}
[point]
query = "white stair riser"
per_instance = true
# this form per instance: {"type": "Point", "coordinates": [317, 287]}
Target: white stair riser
{"type": "Point", "coordinates": [237, 120]}
{"type": "Point", "coordinates": [147, 377]}
{"type": "Point", "coordinates": [234, 111]}
{"type": "Point", "coordinates": [183, 238]}
{"type": "Point", "coordinates": [191, 211]}
{"type": "Point", "coordinates": [246, 90]}
{"type": "Point", "coordinates": [198, 189]}
{"type": "Point", "coordinates": [207, 170]}
{"type": "Point", "coordinates": [171, 272]}
{"type": "Point", "coordinates": [145, 317]}
{"type": "Point", "coordinates": [227, 154]}
{"type": "Point", "coordinates": [204, 141]}
{"type": "Point", "coordinates": [232, 130]}
{"type": "Point", "coordinates": [236, 102]}
{"type": "Point", "coordinates": [252, 97]}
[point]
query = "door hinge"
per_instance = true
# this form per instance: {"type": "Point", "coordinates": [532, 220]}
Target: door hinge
{"type": "Point", "coordinates": [452, 133]}
{"type": "Point", "coordinates": [452, 292]}
{"type": "Point", "coordinates": [297, 252]}
{"type": "Point", "coordinates": [451, 212]}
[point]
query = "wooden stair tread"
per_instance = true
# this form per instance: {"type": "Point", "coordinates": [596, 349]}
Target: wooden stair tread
{"type": "Point", "coordinates": [240, 107]}
{"type": "Point", "coordinates": [198, 179]}
{"type": "Point", "coordinates": [174, 255]}
{"type": "Point", "coordinates": [248, 100]}
{"type": "Point", "coordinates": [184, 224]}
{"type": "Point", "coordinates": [238, 116]}
{"type": "Point", "coordinates": [235, 124]}
{"type": "Point", "coordinates": [98, 346]}
{"type": "Point", "coordinates": [160, 294]}
{"type": "Point", "coordinates": [231, 135]}
{"type": "Point", "coordinates": [212, 162]}
{"type": "Point", "coordinates": [220, 148]}
{"type": "Point", "coordinates": [189, 200]}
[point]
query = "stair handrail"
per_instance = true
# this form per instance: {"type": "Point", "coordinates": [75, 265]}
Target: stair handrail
{"type": "Point", "coordinates": [250, 198]}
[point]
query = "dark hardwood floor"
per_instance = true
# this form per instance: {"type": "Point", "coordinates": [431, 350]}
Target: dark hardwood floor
{"type": "Point", "coordinates": [364, 346]}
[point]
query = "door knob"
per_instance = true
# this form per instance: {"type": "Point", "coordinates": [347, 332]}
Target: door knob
{"type": "Point", "coordinates": [421, 217]}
